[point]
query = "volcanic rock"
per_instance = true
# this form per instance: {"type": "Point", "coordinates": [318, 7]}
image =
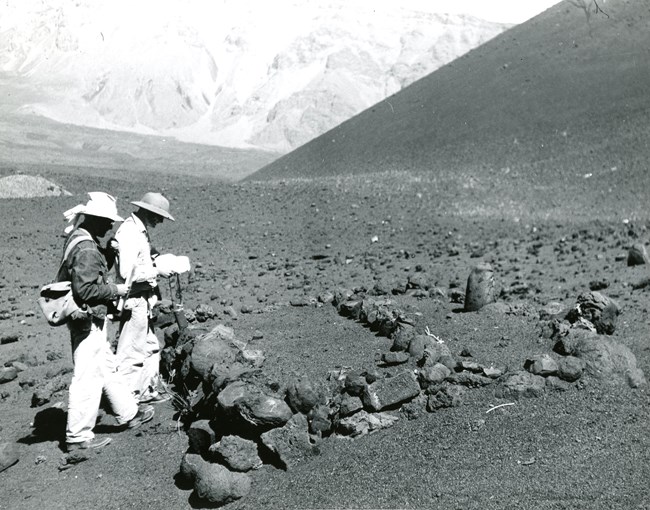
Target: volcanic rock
{"type": "Point", "coordinates": [303, 394]}
{"type": "Point", "coordinates": [200, 437]}
{"type": "Point", "coordinates": [637, 255]}
{"type": "Point", "coordinates": [350, 405]}
{"type": "Point", "coordinates": [262, 410]}
{"type": "Point", "coordinates": [432, 375]}
{"type": "Point", "coordinates": [214, 483]}
{"type": "Point", "coordinates": [480, 288]}
{"type": "Point", "coordinates": [570, 368]}
{"type": "Point", "coordinates": [363, 423]}
{"type": "Point", "coordinates": [449, 396]}
{"type": "Point", "coordinates": [390, 391]}
{"type": "Point", "coordinates": [542, 364]}
{"type": "Point", "coordinates": [394, 358]}
{"type": "Point", "coordinates": [8, 374]}
{"type": "Point", "coordinates": [402, 337]}
{"type": "Point", "coordinates": [598, 309]}
{"type": "Point", "coordinates": [608, 360]}
{"type": "Point", "coordinates": [9, 455]}
{"type": "Point", "coordinates": [521, 384]}
{"type": "Point", "coordinates": [236, 453]}
{"type": "Point", "coordinates": [319, 420]}
{"type": "Point", "coordinates": [230, 394]}
{"type": "Point", "coordinates": [290, 443]}
{"type": "Point", "coordinates": [213, 348]}
{"type": "Point", "coordinates": [469, 379]}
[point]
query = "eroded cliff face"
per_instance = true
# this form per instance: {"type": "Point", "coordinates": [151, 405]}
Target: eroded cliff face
{"type": "Point", "coordinates": [270, 77]}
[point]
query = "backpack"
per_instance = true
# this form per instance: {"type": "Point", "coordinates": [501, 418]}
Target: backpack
{"type": "Point", "coordinates": [56, 300]}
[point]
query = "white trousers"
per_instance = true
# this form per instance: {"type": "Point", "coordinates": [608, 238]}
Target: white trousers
{"type": "Point", "coordinates": [138, 349]}
{"type": "Point", "coordinates": [95, 371]}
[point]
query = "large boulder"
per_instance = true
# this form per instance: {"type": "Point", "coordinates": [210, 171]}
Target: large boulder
{"type": "Point", "coordinates": [216, 347]}
{"type": "Point", "coordinates": [291, 443]}
{"type": "Point", "coordinates": [609, 361]}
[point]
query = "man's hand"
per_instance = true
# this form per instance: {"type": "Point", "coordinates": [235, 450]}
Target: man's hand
{"type": "Point", "coordinates": [122, 289]}
{"type": "Point", "coordinates": [165, 272]}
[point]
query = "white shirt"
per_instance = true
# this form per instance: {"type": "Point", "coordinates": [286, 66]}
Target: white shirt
{"type": "Point", "coordinates": [134, 252]}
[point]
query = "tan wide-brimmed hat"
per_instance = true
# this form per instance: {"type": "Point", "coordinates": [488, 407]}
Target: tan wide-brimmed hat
{"type": "Point", "coordinates": [155, 203]}
{"type": "Point", "coordinates": [102, 205]}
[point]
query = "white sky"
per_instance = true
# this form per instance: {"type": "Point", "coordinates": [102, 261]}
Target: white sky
{"type": "Point", "coordinates": [506, 11]}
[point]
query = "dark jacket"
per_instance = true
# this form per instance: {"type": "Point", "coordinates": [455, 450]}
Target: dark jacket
{"type": "Point", "coordinates": [87, 270]}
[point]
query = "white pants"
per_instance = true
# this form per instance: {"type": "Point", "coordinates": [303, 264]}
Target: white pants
{"type": "Point", "coordinates": [95, 371]}
{"type": "Point", "coordinates": [138, 349]}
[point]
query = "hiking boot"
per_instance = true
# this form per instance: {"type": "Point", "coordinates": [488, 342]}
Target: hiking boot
{"type": "Point", "coordinates": [144, 414]}
{"type": "Point", "coordinates": [155, 398]}
{"type": "Point", "coordinates": [91, 444]}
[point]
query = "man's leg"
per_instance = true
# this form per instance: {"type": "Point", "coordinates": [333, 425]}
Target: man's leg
{"type": "Point", "coordinates": [87, 382]}
{"type": "Point", "coordinates": [132, 344]}
{"type": "Point", "coordinates": [119, 395]}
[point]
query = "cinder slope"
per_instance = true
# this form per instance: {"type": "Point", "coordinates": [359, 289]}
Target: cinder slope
{"type": "Point", "coordinates": [556, 93]}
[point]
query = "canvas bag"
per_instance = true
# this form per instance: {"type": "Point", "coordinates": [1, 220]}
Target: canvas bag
{"type": "Point", "coordinates": [56, 300]}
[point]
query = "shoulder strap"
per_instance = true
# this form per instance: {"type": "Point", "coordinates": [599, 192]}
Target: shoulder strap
{"type": "Point", "coordinates": [71, 244]}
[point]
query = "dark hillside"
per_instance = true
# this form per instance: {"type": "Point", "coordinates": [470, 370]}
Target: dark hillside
{"type": "Point", "coordinates": [551, 95]}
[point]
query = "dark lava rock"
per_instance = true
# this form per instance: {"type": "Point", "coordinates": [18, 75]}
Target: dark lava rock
{"type": "Point", "coordinates": [236, 453]}
{"type": "Point", "coordinates": [390, 391]}
{"type": "Point", "coordinates": [350, 405]}
{"type": "Point", "coordinates": [521, 384]}
{"type": "Point", "coordinates": [570, 368]}
{"type": "Point", "coordinates": [213, 483]}
{"type": "Point", "coordinates": [262, 410]}
{"type": "Point", "coordinates": [200, 437]}
{"type": "Point", "coordinates": [290, 443]}
{"type": "Point", "coordinates": [637, 255]}
{"type": "Point", "coordinates": [449, 396]}
{"type": "Point", "coordinates": [394, 358]}
{"type": "Point", "coordinates": [598, 309]}
{"type": "Point", "coordinates": [542, 364]}
{"type": "Point", "coordinates": [303, 394]}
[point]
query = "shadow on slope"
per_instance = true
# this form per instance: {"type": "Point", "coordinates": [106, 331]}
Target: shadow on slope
{"type": "Point", "coordinates": [554, 99]}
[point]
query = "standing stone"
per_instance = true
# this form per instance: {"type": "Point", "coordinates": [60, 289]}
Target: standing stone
{"type": "Point", "coordinates": [390, 391]}
{"type": "Point", "coordinates": [480, 288]}
{"type": "Point", "coordinates": [8, 455]}
{"type": "Point", "coordinates": [236, 453]}
{"type": "Point", "coordinates": [637, 255]}
{"type": "Point", "coordinates": [291, 443]}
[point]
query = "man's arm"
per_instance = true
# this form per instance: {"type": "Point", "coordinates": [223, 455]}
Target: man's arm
{"type": "Point", "coordinates": [87, 277]}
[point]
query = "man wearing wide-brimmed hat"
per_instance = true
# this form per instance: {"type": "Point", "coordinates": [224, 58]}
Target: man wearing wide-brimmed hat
{"type": "Point", "coordinates": [95, 369]}
{"type": "Point", "coordinates": [138, 349]}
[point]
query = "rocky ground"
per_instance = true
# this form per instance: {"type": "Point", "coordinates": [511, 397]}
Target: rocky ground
{"type": "Point", "coordinates": [268, 258]}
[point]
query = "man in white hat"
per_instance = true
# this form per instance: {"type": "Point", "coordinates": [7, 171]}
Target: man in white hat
{"type": "Point", "coordinates": [138, 349]}
{"type": "Point", "coordinates": [95, 369]}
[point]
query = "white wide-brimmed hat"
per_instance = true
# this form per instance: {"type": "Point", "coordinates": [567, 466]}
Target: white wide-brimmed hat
{"type": "Point", "coordinates": [155, 203]}
{"type": "Point", "coordinates": [103, 205]}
